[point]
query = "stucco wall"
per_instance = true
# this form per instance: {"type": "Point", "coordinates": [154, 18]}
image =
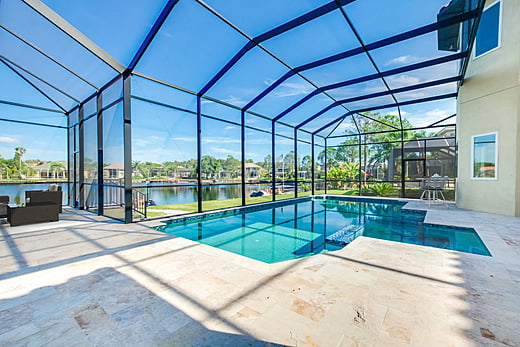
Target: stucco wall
{"type": "Point", "coordinates": [489, 101]}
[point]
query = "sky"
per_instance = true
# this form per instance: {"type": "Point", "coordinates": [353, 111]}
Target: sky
{"type": "Point", "coordinates": [191, 47]}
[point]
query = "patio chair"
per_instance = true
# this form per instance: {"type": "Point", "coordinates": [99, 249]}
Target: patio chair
{"type": "Point", "coordinates": [433, 188]}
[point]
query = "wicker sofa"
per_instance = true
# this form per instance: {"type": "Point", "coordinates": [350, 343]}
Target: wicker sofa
{"type": "Point", "coordinates": [38, 212]}
{"type": "Point", "coordinates": [4, 201]}
{"type": "Point", "coordinates": [52, 196]}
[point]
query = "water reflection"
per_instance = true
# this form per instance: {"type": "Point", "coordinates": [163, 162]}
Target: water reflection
{"type": "Point", "coordinates": [183, 194]}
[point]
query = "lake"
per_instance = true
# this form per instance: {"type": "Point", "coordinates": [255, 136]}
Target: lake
{"type": "Point", "coordinates": [181, 194]}
{"type": "Point", "coordinates": [157, 192]}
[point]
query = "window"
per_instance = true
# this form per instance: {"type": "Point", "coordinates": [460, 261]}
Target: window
{"type": "Point", "coordinates": [484, 156]}
{"type": "Point", "coordinates": [488, 34]}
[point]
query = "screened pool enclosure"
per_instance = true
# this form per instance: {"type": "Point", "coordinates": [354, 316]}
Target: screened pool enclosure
{"type": "Point", "coordinates": [166, 107]}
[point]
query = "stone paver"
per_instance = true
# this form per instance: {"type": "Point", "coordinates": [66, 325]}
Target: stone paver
{"type": "Point", "coordinates": [88, 280]}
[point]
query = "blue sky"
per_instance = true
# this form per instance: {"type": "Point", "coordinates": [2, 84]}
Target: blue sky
{"type": "Point", "coordinates": [193, 45]}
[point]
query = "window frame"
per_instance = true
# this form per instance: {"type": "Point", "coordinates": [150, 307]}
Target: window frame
{"type": "Point", "coordinates": [499, 43]}
{"type": "Point", "coordinates": [472, 167]}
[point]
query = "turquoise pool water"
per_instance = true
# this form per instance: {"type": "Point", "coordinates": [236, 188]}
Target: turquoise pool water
{"type": "Point", "coordinates": [290, 230]}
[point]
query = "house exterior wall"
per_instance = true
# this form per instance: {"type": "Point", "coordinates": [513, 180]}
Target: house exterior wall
{"type": "Point", "coordinates": [489, 101]}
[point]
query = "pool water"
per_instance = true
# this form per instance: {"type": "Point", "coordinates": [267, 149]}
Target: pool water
{"type": "Point", "coordinates": [291, 230]}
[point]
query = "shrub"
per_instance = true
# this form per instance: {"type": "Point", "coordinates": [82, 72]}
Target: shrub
{"type": "Point", "coordinates": [382, 189]}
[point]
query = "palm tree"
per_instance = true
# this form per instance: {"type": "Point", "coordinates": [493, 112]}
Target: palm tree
{"type": "Point", "coordinates": [56, 166]}
{"type": "Point", "coordinates": [3, 166]}
{"type": "Point", "coordinates": [306, 165]}
{"type": "Point", "coordinates": [18, 153]}
{"type": "Point", "coordinates": [135, 166]}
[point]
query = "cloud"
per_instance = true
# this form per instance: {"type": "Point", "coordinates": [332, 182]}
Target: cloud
{"type": "Point", "coordinates": [235, 100]}
{"type": "Point", "coordinates": [226, 151]}
{"type": "Point", "coordinates": [404, 59]}
{"type": "Point", "coordinates": [426, 118]}
{"type": "Point", "coordinates": [7, 139]}
{"type": "Point", "coordinates": [439, 113]}
{"type": "Point", "coordinates": [402, 80]}
{"type": "Point", "coordinates": [230, 127]}
{"type": "Point", "coordinates": [218, 139]}
{"type": "Point", "coordinates": [184, 139]}
{"type": "Point", "coordinates": [344, 127]}
{"type": "Point", "coordinates": [292, 89]}
{"type": "Point", "coordinates": [396, 113]}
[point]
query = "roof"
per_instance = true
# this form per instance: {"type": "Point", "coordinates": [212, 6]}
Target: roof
{"type": "Point", "coordinates": [252, 165]}
{"type": "Point", "coordinates": [244, 56]}
{"type": "Point", "coordinates": [46, 165]}
{"type": "Point", "coordinates": [116, 166]}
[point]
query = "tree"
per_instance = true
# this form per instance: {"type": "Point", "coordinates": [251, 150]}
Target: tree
{"type": "Point", "coordinates": [3, 167]}
{"type": "Point", "coordinates": [18, 153]}
{"type": "Point", "coordinates": [288, 163]}
{"type": "Point", "coordinates": [56, 167]}
{"type": "Point", "coordinates": [382, 150]}
{"type": "Point", "coordinates": [169, 168]}
{"type": "Point", "coordinates": [344, 174]}
{"type": "Point", "coordinates": [232, 165]}
{"type": "Point", "coordinates": [306, 165]}
{"type": "Point", "coordinates": [267, 163]}
{"type": "Point", "coordinates": [210, 166]}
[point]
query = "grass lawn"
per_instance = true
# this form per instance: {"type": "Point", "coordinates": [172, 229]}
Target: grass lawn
{"type": "Point", "coordinates": [151, 214]}
{"type": "Point", "coordinates": [219, 204]}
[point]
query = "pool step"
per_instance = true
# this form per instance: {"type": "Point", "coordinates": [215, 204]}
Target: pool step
{"type": "Point", "coordinates": [344, 236]}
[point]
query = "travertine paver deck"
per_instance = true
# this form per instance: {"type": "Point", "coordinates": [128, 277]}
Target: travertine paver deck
{"type": "Point", "coordinates": [88, 280]}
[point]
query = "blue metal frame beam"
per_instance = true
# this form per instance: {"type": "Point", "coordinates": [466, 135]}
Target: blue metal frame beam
{"type": "Point", "coordinates": [307, 17]}
{"type": "Point", "coordinates": [32, 123]}
{"type": "Point", "coordinates": [386, 132]}
{"type": "Point", "coordinates": [39, 78]}
{"type": "Point", "coordinates": [31, 106]}
{"type": "Point", "coordinates": [372, 61]}
{"type": "Point", "coordinates": [68, 29]}
{"type": "Point", "coordinates": [375, 45]}
{"type": "Point", "coordinates": [442, 120]}
{"type": "Point", "coordinates": [378, 94]}
{"type": "Point", "coordinates": [54, 60]}
{"type": "Point", "coordinates": [151, 34]}
{"type": "Point", "coordinates": [33, 85]}
{"type": "Point", "coordinates": [396, 71]}
{"type": "Point", "coordinates": [410, 102]}
{"type": "Point", "coordinates": [473, 35]}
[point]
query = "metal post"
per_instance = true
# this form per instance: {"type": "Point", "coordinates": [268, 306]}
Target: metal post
{"type": "Point", "coordinates": [199, 155]}
{"type": "Point", "coordinates": [312, 166]}
{"type": "Point", "coordinates": [243, 154]}
{"type": "Point", "coordinates": [81, 148]}
{"type": "Point", "coordinates": [101, 202]}
{"type": "Point", "coordinates": [359, 169]}
{"type": "Point", "coordinates": [456, 173]}
{"type": "Point", "coordinates": [273, 159]}
{"type": "Point", "coordinates": [325, 166]}
{"type": "Point", "coordinates": [424, 159]}
{"type": "Point", "coordinates": [127, 144]}
{"type": "Point", "coordinates": [296, 163]}
{"type": "Point", "coordinates": [68, 158]}
{"type": "Point", "coordinates": [403, 189]}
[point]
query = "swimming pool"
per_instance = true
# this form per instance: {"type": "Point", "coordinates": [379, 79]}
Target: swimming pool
{"type": "Point", "coordinates": [293, 229]}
